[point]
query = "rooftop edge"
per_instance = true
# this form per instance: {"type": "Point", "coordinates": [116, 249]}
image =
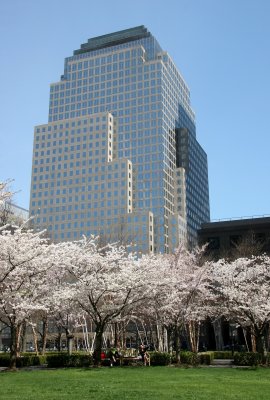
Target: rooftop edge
{"type": "Point", "coordinates": [113, 39]}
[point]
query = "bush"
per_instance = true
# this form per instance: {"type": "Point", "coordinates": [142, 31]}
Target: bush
{"type": "Point", "coordinates": [206, 358]}
{"type": "Point", "coordinates": [189, 358]}
{"type": "Point", "coordinates": [64, 360]}
{"type": "Point", "coordinates": [223, 355]}
{"type": "Point", "coordinates": [30, 360]}
{"type": "Point", "coordinates": [159, 358]}
{"type": "Point", "coordinates": [26, 360]}
{"type": "Point", "coordinates": [4, 359]}
{"type": "Point", "coordinates": [247, 359]}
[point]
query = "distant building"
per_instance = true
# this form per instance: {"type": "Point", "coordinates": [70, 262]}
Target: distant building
{"type": "Point", "coordinates": [19, 212]}
{"type": "Point", "coordinates": [12, 214]}
{"type": "Point", "coordinates": [119, 156]}
{"type": "Point", "coordinates": [236, 237]}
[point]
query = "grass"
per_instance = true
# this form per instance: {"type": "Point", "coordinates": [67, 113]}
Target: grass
{"type": "Point", "coordinates": [136, 383]}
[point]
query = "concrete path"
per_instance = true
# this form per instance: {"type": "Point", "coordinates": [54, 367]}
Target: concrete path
{"type": "Point", "coordinates": [220, 363]}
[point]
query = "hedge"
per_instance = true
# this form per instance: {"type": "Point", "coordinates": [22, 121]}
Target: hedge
{"type": "Point", "coordinates": [223, 355]}
{"type": "Point", "coordinates": [189, 358]}
{"type": "Point", "coordinates": [247, 359]}
{"type": "Point", "coordinates": [159, 358]}
{"type": "Point", "coordinates": [64, 360]}
{"type": "Point", "coordinates": [206, 358]}
{"type": "Point", "coordinates": [4, 359]}
{"type": "Point", "coordinates": [30, 360]}
{"type": "Point", "coordinates": [25, 360]}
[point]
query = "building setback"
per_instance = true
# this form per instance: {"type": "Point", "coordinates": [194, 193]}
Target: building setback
{"type": "Point", "coordinates": [119, 156]}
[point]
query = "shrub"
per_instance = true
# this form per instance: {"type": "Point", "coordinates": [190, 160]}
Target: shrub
{"type": "Point", "coordinates": [25, 360]}
{"type": "Point", "coordinates": [223, 355]}
{"type": "Point", "coordinates": [247, 359]}
{"type": "Point", "coordinates": [4, 359]}
{"type": "Point", "coordinates": [189, 358]}
{"type": "Point", "coordinates": [159, 358]}
{"type": "Point", "coordinates": [64, 360]}
{"type": "Point", "coordinates": [206, 358]}
{"type": "Point", "coordinates": [61, 360]}
{"type": "Point", "coordinates": [30, 360]}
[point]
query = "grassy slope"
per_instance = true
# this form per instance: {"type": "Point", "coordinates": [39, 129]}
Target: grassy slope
{"type": "Point", "coordinates": [136, 383]}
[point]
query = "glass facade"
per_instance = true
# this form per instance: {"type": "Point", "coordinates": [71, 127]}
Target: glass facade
{"type": "Point", "coordinates": [193, 160]}
{"type": "Point", "coordinates": [127, 77]}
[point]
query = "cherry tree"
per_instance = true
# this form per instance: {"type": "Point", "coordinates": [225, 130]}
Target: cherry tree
{"type": "Point", "coordinates": [5, 197]}
{"type": "Point", "coordinates": [61, 310]}
{"type": "Point", "coordinates": [240, 291]}
{"type": "Point", "coordinates": [5, 193]}
{"type": "Point", "coordinates": [24, 260]}
{"type": "Point", "coordinates": [156, 287]}
{"type": "Point", "coordinates": [50, 307]}
{"type": "Point", "coordinates": [105, 283]}
{"type": "Point", "coordinates": [180, 300]}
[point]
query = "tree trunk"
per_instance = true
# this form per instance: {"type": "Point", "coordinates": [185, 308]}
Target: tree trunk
{"type": "Point", "coordinates": [253, 340]}
{"type": "Point", "coordinates": [98, 344]}
{"type": "Point", "coordinates": [177, 344]}
{"type": "Point", "coordinates": [217, 325]}
{"type": "Point", "coordinates": [198, 336]}
{"type": "Point", "coordinates": [151, 339]}
{"type": "Point", "coordinates": [35, 339]}
{"type": "Point", "coordinates": [14, 348]}
{"type": "Point", "coordinates": [169, 338]}
{"type": "Point", "coordinates": [44, 334]}
{"type": "Point", "coordinates": [70, 338]}
{"type": "Point", "coordinates": [124, 339]}
{"type": "Point", "coordinates": [268, 336]}
{"type": "Point", "coordinates": [193, 329]}
{"type": "Point", "coordinates": [165, 339]}
{"type": "Point", "coordinates": [245, 338]}
{"type": "Point", "coordinates": [23, 337]}
{"type": "Point", "coordinates": [116, 342]}
{"type": "Point", "coordinates": [159, 337]}
{"type": "Point", "coordinates": [261, 343]}
{"type": "Point", "coordinates": [58, 339]}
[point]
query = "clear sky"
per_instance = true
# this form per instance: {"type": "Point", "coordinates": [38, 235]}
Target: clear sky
{"type": "Point", "coordinates": [222, 48]}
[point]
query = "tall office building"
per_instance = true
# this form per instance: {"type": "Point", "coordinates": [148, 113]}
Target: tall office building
{"type": "Point", "coordinates": [119, 156]}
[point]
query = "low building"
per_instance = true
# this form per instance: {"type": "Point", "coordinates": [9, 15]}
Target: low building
{"type": "Point", "coordinates": [239, 237]}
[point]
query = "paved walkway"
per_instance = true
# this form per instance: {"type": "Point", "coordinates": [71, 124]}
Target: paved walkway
{"type": "Point", "coordinates": [220, 363]}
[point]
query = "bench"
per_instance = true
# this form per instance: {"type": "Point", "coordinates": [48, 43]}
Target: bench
{"type": "Point", "coordinates": [128, 360]}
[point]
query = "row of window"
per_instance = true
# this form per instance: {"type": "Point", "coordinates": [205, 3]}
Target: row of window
{"type": "Point", "coordinates": [96, 105]}
{"type": "Point", "coordinates": [98, 168]}
{"type": "Point", "coordinates": [94, 215]}
{"type": "Point", "coordinates": [119, 101]}
{"type": "Point", "coordinates": [74, 124]}
{"type": "Point", "coordinates": [101, 222]}
{"type": "Point", "coordinates": [125, 85]}
{"type": "Point", "coordinates": [101, 192]}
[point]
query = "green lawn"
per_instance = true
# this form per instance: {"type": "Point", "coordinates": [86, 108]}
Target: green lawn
{"type": "Point", "coordinates": [136, 383]}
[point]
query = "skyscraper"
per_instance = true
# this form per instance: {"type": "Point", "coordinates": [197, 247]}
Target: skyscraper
{"type": "Point", "coordinates": [119, 155]}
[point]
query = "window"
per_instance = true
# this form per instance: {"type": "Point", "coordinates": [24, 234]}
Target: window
{"type": "Point", "coordinates": [213, 243]}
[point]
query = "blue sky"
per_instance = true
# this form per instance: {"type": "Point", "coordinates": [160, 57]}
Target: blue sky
{"type": "Point", "coordinates": [221, 47]}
